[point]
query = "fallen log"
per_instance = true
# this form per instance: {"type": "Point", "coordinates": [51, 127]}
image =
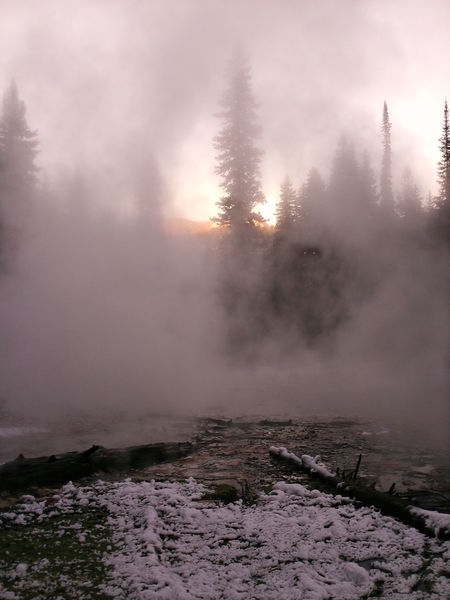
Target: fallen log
{"type": "Point", "coordinates": [428, 522]}
{"type": "Point", "coordinates": [24, 472]}
{"type": "Point", "coordinates": [272, 423]}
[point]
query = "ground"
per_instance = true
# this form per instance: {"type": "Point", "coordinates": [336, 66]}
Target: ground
{"type": "Point", "coordinates": [152, 539]}
{"type": "Point", "coordinates": [227, 522]}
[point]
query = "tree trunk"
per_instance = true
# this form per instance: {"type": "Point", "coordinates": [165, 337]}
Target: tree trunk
{"type": "Point", "coordinates": [59, 469]}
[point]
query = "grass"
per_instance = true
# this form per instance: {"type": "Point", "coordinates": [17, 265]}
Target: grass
{"type": "Point", "coordinates": [61, 556]}
{"type": "Point", "coordinates": [222, 492]}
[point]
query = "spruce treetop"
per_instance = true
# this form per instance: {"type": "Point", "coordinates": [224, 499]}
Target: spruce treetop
{"type": "Point", "coordinates": [238, 157]}
{"type": "Point", "coordinates": [285, 207]}
{"type": "Point", "coordinates": [444, 163]}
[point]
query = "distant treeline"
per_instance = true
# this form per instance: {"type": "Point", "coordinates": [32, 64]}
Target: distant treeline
{"type": "Point", "coordinates": [334, 240]}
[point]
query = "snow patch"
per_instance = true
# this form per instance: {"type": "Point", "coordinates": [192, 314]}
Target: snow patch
{"type": "Point", "coordinates": [438, 522]}
{"type": "Point", "coordinates": [295, 543]}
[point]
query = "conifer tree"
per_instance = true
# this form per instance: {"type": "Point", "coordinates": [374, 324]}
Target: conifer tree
{"type": "Point", "coordinates": [310, 206]}
{"type": "Point", "coordinates": [344, 186]}
{"type": "Point", "coordinates": [429, 203]}
{"type": "Point", "coordinates": [17, 169]}
{"type": "Point", "coordinates": [409, 203]}
{"type": "Point", "coordinates": [443, 199]}
{"type": "Point", "coordinates": [351, 196]}
{"type": "Point", "coordinates": [238, 157]}
{"type": "Point", "coordinates": [18, 148]}
{"type": "Point", "coordinates": [441, 206]}
{"type": "Point", "coordinates": [368, 193]}
{"type": "Point", "coordinates": [386, 194]}
{"type": "Point", "coordinates": [284, 211]}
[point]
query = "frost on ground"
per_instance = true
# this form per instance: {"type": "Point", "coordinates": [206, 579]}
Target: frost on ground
{"type": "Point", "coordinates": [161, 540]}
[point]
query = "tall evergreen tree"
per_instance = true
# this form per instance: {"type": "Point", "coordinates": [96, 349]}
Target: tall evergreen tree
{"type": "Point", "coordinates": [351, 196]}
{"type": "Point", "coordinates": [409, 203]}
{"type": "Point", "coordinates": [17, 169]}
{"type": "Point", "coordinates": [310, 208]}
{"type": "Point", "coordinates": [238, 157]}
{"type": "Point", "coordinates": [343, 189]}
{"type": "Point", "coordinates": [429, 202]}
{"type": "Point", "coordinates": [443, 199]}
{"type": "Point", "coordinates": [368, 193]}
{"type": "Point", "coordinates": [386, 194]}
{"type": "Point", "coordinates": [18, 148]}
{"type": "Point", "coordinates": [284, 211]}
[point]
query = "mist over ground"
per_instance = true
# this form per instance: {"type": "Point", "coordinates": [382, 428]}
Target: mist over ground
{"type": "Point", "coordinates": [105, 308]}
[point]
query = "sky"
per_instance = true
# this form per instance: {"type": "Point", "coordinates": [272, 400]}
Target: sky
{"type": "Point", "coordinates": [109, 83]}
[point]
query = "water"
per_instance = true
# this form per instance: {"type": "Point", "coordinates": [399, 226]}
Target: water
{"type": "Point", "coordinates": [238, 450]}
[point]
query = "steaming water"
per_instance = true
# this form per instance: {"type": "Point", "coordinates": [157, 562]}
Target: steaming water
{"type": "Point", "coordinates": [80, 433]}
{"type": "Point", "coordinates": [102, 317]}
{"type": "Point", "coordinates": [420, 472]}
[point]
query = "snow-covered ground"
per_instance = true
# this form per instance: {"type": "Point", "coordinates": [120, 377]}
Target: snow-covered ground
{"type": "Point", "coordinates": [167, 543]}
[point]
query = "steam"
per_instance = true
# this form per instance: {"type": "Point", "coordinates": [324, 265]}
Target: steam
{"type": "Point", "coordinates": [104, 310]}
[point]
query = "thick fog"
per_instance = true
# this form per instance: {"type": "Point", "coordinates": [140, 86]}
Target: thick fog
{"type": "Point", "coordinates": [103, 79]}
{"type": "Point", "coordinates": [108, 304]}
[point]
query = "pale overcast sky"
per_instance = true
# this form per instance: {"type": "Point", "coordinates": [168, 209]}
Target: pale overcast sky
{"type": "Point", "coordinates": [105, 81]}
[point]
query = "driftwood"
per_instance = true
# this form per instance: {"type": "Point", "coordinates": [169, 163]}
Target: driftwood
{"type": "Point", "coordinates": [59, 469]}
{"type": "Point", "coordinates": [272, 423]}
{"type": "Point", "coordinates": [386, 503]}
